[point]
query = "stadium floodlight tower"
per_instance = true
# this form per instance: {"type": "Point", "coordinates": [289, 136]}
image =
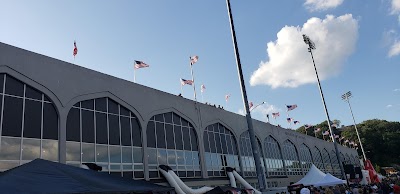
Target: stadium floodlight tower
{"type": "Point", "coordinates": [346, 97]}
{"type": "Point", "coordinates": [311, 46]}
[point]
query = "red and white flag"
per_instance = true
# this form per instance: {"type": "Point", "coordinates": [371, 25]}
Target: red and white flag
{"type": "Point", "coordinates": [194, 59]}
{"type": "Point", "coordinates": [250, 105]}
{"type": "Point", "coordinates": [227, 97]}
{"type": "Point", "coordinates": [188, 82]}
{"type": "Point", "coordinates": [75, 49]}
{"type": "Point", "coordinates": [140, 64]}
{"type": "Point", "coordinates": [202, 88]}
{"type": "Point", "coordinates": [275, 114]}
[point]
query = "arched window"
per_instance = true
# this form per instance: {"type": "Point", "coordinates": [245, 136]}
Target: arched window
{"type": "Point", "coordinates": [247, 159]}
{"type": "Point", "coordinates": [327, 161]}
{"type": "Point", "coordinates": [273, 157]}
{"type": "Point", "coordinates": [220, 150]}
{"type": "Point", "coordinates": [172, 141]}
{"type": "Point", "coordinates": [29, 124]}
{"type": "Point", "coordinates": [318, 162]}
{"type": "Point", "coordinates": [292, 162]}
{"type": "Point", "coordinates": [305, 157]}
{"type": "Point", "coordinates": [335, 164]}
{"type": "Point", "coordinates": [102, 131]}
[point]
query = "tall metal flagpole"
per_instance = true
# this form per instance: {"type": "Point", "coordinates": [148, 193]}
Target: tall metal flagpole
{"type": "Point", "coordinates": [346, 97]}
{"type": "Point", "coordinates": [256, 154]}
{"type": "Point", "coordinates": [310, 47]}
{"type": "Point", "coordinates": [194, 83]}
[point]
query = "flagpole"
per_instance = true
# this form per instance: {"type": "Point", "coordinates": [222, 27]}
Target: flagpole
{"type": "Point", "coordinates": [181, 87]}
{"type": "Point", "coordinates": [134, 75]}
{"type": "Point", "coordinates": [202, 99]}
{"type": "Point", "coordinates": [194, 83]}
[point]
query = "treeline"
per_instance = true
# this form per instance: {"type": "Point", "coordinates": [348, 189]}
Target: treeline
{"type": "Point", "coordinates": [380, 139]}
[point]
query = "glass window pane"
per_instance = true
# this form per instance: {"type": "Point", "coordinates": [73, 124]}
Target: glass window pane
{"type": "Point", "coordinates": [170, 136]}
{"type": "Point", "coordinates": [186, 139]}
{"type": "Point", "coordinates": [87, 126]}
{"type": "Point", "coordinates": [32, 119]}
{"type": "Point", "coordinates": [87, 152]}
{"type": "Point", "coordinates": [101, 153]}
{"type": "Point", "coordinates": [125, 131]}
{"type": "Point", "coordinates": [14, 86]}
{"type": "Point", "coordinates": [159, 117]}
{"type": "Point", "coordinates": [12, 123]}
{"type": "Point", "coordinates": [126, 154]}
{"type": "Point", "coordinates": [211, 137]}
{"type": "Point", "coordinates": [206, 142]}
{"type": "Point", "coordinates": [160, 135]}
{"type": "Point", "coordinates": [73, 125]}
{"type": "Point", "coordinates": [178, 137]}
{"type": "Point", "coordinates": [136, 133]}
{"type": "Point", "coordinates": [218, 143]}
{"type": "Point", "coordinates": [152, 156]}
{"type": "Point", "coordinates": [171, 158]}
{"type": "Point", "coordinates": [193, 139]}
{"type": "Point", "coordinates": [32, 93]}
{"type": "Point", "coordinates": [101, 104]}
{"type": "Point", "coordinates": [112, 106]}
{"type": "Point", "coordinates": [6, 165]}
{"type": "Point", "coordinates": [10, 148]}
{"type": "Point", "coordinates": [168, 117]}
{"type": "Point", "coordinates": [223, 144]}
{"type": "Point", "coordinates": [50, 122]}
{"type": "Point", "coordinates": [88, 104]}
{"type": "Point", "coordinates": [162, 156]}
{"type": "Point", "coordinates": [151, 135]}
{"type": "Point", "coordinates": [115, 154]}
{"type": "Point", "coordinates": [50, 150]}
{"type": "Point", "coordinates": [1, 82]}
{"type": "Point", "coordinates": [176, 119]}
{"type": "Point", "coordinates": [101, 128]}
{"type": "Point", "coordinates": [124, 111]}
{"type": "Point", "coordinates": [30, 149]}
{"type": "Point", "coordinates": [180, 157]}
{"type": "Point", "coordinates": [137, 155]}
{"type": "Point", "coordinates": [114, 129]}
{"type": "Point", "coordinates": [73, 151]}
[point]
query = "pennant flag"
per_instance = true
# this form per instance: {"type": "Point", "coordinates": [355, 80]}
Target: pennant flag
{"type": "Point", "coordinates": [296, 122]}
{"type": "Point", "coordinates": [289, 120]}
{"type": "Point", "coordinates": [202, 88]}
{"type": "Point", "coordinates": [291, 107]}
{"type": "Point", "coordinates": [250, 105]}
{"type": "Point", "coordinates": [194, 59]}
{"type": "Point", "coordinates": [140, 64]}
{"type": "Point", "coordinates": [325, 133]}
{"type": "Point", "coordinates": [75, 49]}
{"type": "Point", "coordinates": [317, 130]}
{"type": "Point", "coordinates": [184, 82]}
{"type": "Point", "coordinates": [275, 114]}
{"type": "Point", "coordinates": [227, 97]}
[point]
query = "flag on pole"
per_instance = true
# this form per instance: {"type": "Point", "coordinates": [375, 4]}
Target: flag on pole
{"type": "Point", "coordinates": [227, 97]}
{"type": "Point", "coordinates": [250, 105]}
{"type": "Point", "coordinates": [291, 107]}
{"type": "Point", "coordinates": [268, 117]}
{"type": "Point", "coordinates": [289, 120]}
{"type": "Point", "coordinates": [296, 122]}
{"type": "Point", "coordinates": [140, 64]}
{"type": "Point", "coordinates": [306, 126]}
{"type": "Point", "coordinates": [184, 82]}
{"type": "Point", "coordinates": [194, 59]}
{"type": "Point", "coordinates": [347, 141]}
{"type": "Point", "coordinates": [325, 133]}
{"type": "Point", "coordinates": [75, 49]}
{"type": "Point", "coordinates": [317, 130]}
{"type": "Point", "coordinates": [202, 88]}
{"type": "Point", "coordinates": [275, 114]}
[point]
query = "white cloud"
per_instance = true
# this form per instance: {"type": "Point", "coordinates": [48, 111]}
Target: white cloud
{"type": "Point", "coordinates": [394, 49]}
{"type": "Point", "coordinates": [290, 64]}
{"type": "Point", "coordinates": [389, 106]}
{"type": "Point", "coordinates": [396, 90]}
{"type": "Point", "coordinates": [241, 112]}
{"type": "Point", "coordinates": [321, 5]}
{"type": "Point", "coordinates": [261, 110]}
{"type": "Point", "coordinates": [395, 7]}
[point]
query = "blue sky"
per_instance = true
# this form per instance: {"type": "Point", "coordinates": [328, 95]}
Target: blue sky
{"type": "Point", "coordinates": [358, 48]}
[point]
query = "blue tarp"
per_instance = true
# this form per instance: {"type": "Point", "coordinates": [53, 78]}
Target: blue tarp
{"type": "Point", "coordinates": [42, 176]}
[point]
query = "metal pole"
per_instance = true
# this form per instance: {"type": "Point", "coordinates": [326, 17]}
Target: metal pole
{"type": "Point", "coordinates": [355, 126]}
{"type": "Point", "coordinates": [257, 106]}
{"type": "Point", "coordinates": [328, 119]}
{"type": "Point", "coordinates": [194, 83]}
{"type": "Point", "coordinates": [256, 154]}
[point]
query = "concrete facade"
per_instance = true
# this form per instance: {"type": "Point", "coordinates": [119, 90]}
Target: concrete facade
{"type": "Point", "coordinates": [66, 84]}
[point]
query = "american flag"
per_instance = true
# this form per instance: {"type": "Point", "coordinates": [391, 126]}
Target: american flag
{"type": "Point", "coordinates": [289, 120]}
{"type": "Point", "coordinates": [317, 130]}
{"type": "Point", "coordinates": [202, 88]}
{"type": "Point", "coordinates": [306, 126]}
{"type": "Point", "coordinates": [75, 49]}
{"type": "Point", "coordinates": [227, 97]}
{"type": "Point", "coordinates": [325, 133]}
{"type": "Point", "coordinates": [291, 107]}
{"type": "Point", "coordinates": [295, 122]}
{"type": "Point", "coordinates": [250, 105]}
{"type": "Point", "coordinates": [140, 64]}
{"type": "Point", "coordinates": [275, 114]}
{"type": "Point", "coordinates": [188, 82]}
{"type": "Point", "coordinates": [194, 59]}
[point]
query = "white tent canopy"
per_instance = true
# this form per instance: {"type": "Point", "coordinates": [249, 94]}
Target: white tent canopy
{"type": "Point", "coordinates": [329, 180]}
{"type": "Point", "coordinates": [314, 175]}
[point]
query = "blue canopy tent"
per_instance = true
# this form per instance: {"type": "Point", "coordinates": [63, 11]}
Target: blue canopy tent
{"type": "Point", "coordinates": [42, 176]}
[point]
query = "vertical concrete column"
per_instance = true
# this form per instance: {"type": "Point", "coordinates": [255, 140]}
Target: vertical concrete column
{"type": "Point", "coordinates": [62, 146]}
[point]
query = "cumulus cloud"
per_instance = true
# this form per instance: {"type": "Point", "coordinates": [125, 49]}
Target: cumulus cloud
{"type": "Point", "coordinates": [394, 49]}
{"type": "Point", "coordinates": [395, 7]}
{"type": "Point", "coordinates": [389, 106]}
{"type": "Point", "coordinates": [321, 5]}
{"type": "Point", "coordinates": [396, 90]}
{"type": "Point", "coordinates": [290, 64]}
{"type": "Point", "coordinates": [262, 109]}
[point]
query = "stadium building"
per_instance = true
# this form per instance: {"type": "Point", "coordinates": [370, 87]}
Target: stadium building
{"type": "Point", "coordinates": [61, 112]}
